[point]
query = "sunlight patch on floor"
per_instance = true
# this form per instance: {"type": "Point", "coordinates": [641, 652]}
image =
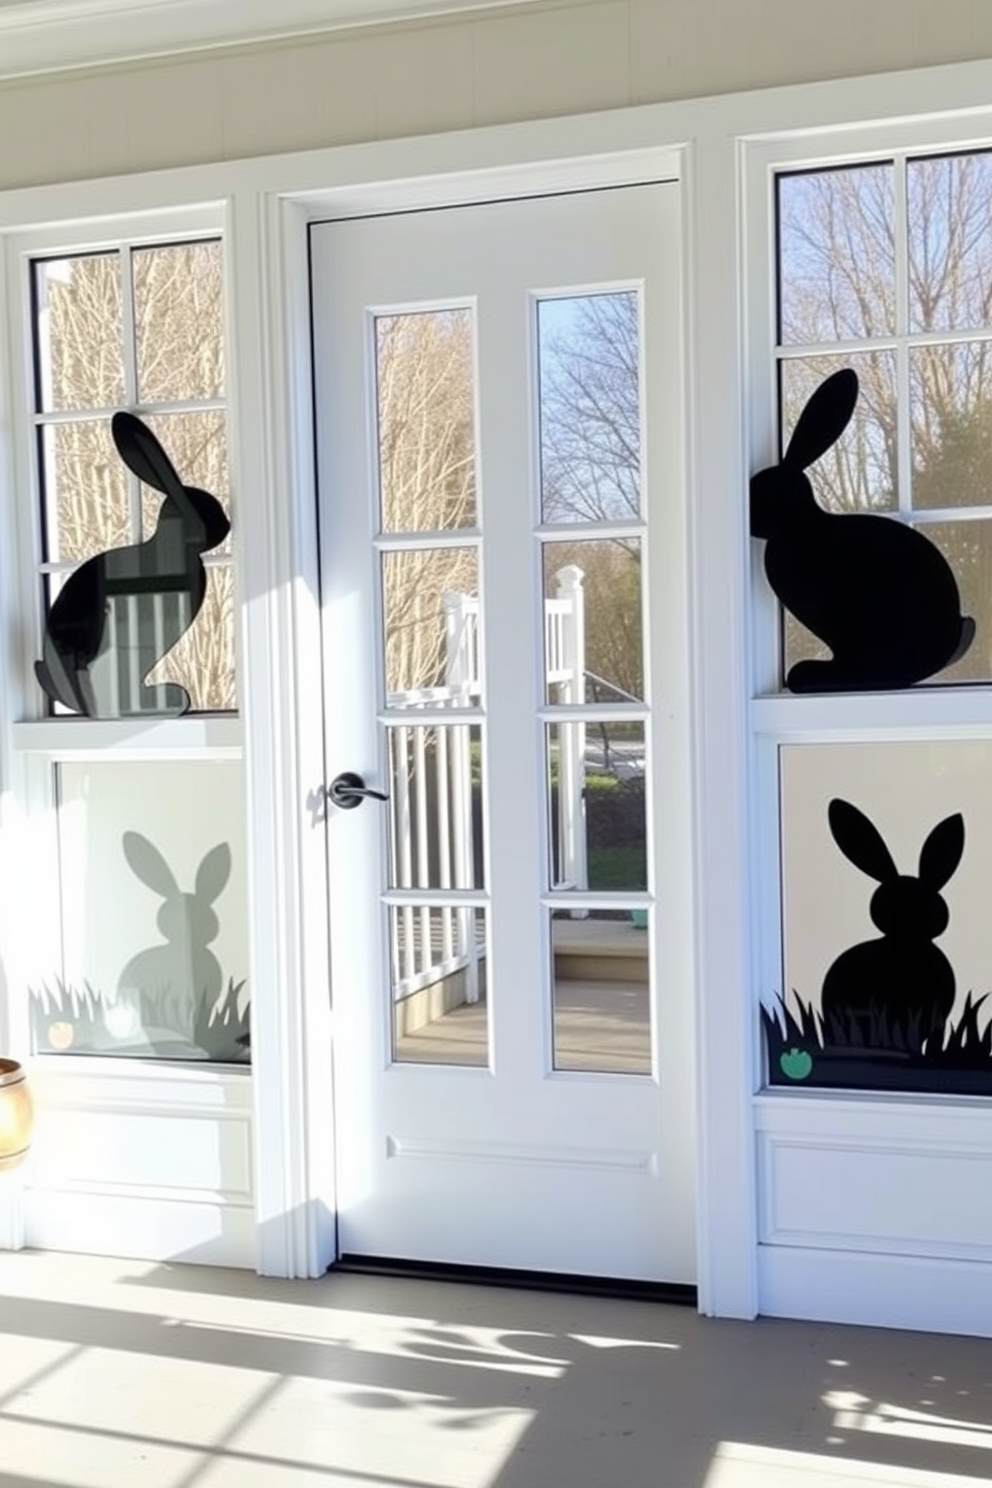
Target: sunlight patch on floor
{"type": "Point", "coordinates": [736, 1465]}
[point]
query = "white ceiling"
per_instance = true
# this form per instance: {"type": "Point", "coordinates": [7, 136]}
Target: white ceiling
{"type": "Point", "coordinates": [44, 35]}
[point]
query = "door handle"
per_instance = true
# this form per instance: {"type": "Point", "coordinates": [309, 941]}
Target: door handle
{"type": "Point", "coordinates": [349, 790]}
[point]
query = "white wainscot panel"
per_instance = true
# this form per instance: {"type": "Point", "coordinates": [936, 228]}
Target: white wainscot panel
{"type": "Point", "coordinates": [146, 1162]}
{"type": "Point", "coordinates": [887, 1177]}
{"type": "Point", "coordinates": [876, 1212]}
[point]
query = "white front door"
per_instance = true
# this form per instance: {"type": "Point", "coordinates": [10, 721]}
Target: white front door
{"type": "Point", "coordinates": [499, 428]}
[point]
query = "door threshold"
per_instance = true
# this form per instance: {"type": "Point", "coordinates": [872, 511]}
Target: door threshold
{"type": "Point", "coordinates": [622, 1288]}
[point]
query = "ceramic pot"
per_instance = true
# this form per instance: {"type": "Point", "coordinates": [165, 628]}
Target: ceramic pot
{"type": "Point", "coordinates": [16, 1114]}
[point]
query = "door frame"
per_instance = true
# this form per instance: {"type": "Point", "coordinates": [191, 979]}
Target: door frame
{"type": "Point", "coordinates": [717, 661]}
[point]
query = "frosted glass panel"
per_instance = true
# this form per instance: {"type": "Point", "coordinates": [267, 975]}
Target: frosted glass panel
{"type": "Point", "coordinates": [153, 899]}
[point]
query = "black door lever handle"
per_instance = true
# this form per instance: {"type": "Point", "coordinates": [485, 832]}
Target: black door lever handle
{"type": "Point", "coordinates": [349, 790]}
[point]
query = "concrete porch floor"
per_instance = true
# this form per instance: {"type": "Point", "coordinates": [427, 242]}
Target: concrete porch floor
{"type": "Point", "coordinates": [133, 1375]}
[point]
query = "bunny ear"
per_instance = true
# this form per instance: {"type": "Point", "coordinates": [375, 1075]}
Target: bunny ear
{"type": "Point", "coordinates": [941, 853]}
{"type": "Point", "coordinates": [823, 420]}
{"type": "Point", "coordinates": [143, 454]}
{"type": "Point", "coordinates": [149, 865]}
{"type": "Point", "coordinates": [213, 873]}
{"type": "Point", "coordinates": [860, 841]}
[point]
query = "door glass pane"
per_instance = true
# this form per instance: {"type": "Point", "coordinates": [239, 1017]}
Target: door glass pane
{"type": "Point", "coordinates": [79, 360]}
{"type": "Point", "coordinates": [949, 212]}
{"type": "Point", "coordinates": [439, 985]}
{"type": "Point", "coordinates": [179, 323]}
{"type": "Point", "coordinates": [431, 623]}
{"type": "Point", "coordinates": [860, 471]}
{"type": "Point", "coordinates": [837, 267]}
{"type": "Point", "coordinates": [425, 391]}
{"type": "Point", "coordinates": [436, 816]}
{"type": "Point", "coordinates": [589, 356]}
{"type": "Point", "coordinates": [601, 978]}
{"type": "Point", "coordinates": [951, 420]}
{"type": "Point", "coordinates": [154, 934]}
{"type": "Point", "coordinates": [596, 789]}
{"type": "Point", "coordinates": [593, 624]}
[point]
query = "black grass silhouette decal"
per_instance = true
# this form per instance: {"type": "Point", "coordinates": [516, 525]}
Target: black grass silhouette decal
{"type": "Point", "coordinates": [119, 613]}
{"type": "Point", "coordinates": [885, 1003]}
{"type": "Point", "coordinates": [875, 590]}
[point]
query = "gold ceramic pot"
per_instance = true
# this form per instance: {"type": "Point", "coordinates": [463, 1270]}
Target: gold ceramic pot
{"type": "Point", "coordinates": [16, 1114]}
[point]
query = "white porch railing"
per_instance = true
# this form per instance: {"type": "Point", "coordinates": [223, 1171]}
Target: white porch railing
{"type": "Point", "coordinates": [433, 804]}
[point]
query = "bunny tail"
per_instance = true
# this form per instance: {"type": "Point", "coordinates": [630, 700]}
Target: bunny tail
{"type": "Point", "coordinates": [967, 636]}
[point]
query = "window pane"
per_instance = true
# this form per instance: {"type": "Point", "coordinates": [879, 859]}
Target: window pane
{"type": "Point", "coordinates": [202, 660]}
{"type": "Point", "coordinates": [967, 546]}
{"type": "Point", "coordinates": [196, 443]}
{"type": "Point", "coordinates": [431, 602]}
{"type": "Point", "coordinates": [860, 471]}
{"type": "Point", "coordinates": [439, 986]}
{"type": "Point", "coordinates": [951, 412]}
{"type": "Point", "coordinates": [949, 206]}
{"type": "Point", "coordinates": [436, 815]}
{"type": "Point", "coordinates": [836, 235]}
{"type": "Point", "coordinates": [179, 322]}
{"type": "Point", "coordinates": [884, 991]}
{"type": "Point", "coordinates": [154, 928]}
{"type": "Point", "coordinates": [79, 357]}
{"type": "Point", "coordinates": [425, 387]}
{"type": "Point", "coordinates": [590, 415]}
{"type": "Point", "coordinates": [602, 977]}
{"type": "Point", "coordinates": [593, 621]}
{"type": "Point", "coordinates": [86, 493]}
{"type": "Point", "coordinates": [596, 790]}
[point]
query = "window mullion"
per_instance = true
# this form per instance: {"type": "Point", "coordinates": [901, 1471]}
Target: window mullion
{"type": "Point", "coordinates": [904, 435]}
{"type": "Point", "coordinates": [130, 348]}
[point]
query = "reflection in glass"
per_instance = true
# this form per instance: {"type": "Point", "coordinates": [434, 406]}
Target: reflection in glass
{"type": "Point", "coordinates": [949, 222]}
{"type": "Point", "coordinates": [593, 621]}
{"type": "Point", "coordinates": [202, 660]}
{"type": "Point", "coordinates": [431, 603]}
{"type": "Point", "coordinates": [179, 325]}
{"type": "Point", "coordinates": [860, 471]}
{"type": "Point", "coordinates": [589, 354]}
{"type": "Point", "coordinates": [836, 234]}
{"type": "Point", "coordinates": [78, 355]}
{"type": "Point", "coordinates": [596, 789]}
{"type": "Point", "coordinates": [425, 387]}
{"type": "Point", "coordinates": [602, 977]}
{"type": "Point", "coordinates": [153, 914]}
{"type": "Point", "coordinates": [435, 807]}
{"type": "Point", "coordinates": [967, 546]}
{"type": "Point", "coordinates": [951, 419]}
{"type": "Point", "coordinates": [86, 493]}
{"type": "Point", "coordinates": [439, 985]}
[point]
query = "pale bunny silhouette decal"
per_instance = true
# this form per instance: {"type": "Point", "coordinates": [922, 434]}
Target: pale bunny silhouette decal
{"type": "Point", "coordinates": [183, 964]}
{"type": "Point", "coordinates": [877, 591]}
{"type": "Point", "coordinates": [120, 612]}
{"type": "Point", "coordinates": [896, 990]}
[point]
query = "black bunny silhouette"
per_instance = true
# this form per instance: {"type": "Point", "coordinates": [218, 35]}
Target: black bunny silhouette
{"type": "Point", "coordinates": [877, 591]}
{"type": "Point", "coordinates": [898, 989]}
{"type": "Point", "coordinates": [119, 613]}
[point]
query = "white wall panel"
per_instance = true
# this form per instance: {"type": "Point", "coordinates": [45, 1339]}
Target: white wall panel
{"type": "Point", "coordinates": [484, 68]}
